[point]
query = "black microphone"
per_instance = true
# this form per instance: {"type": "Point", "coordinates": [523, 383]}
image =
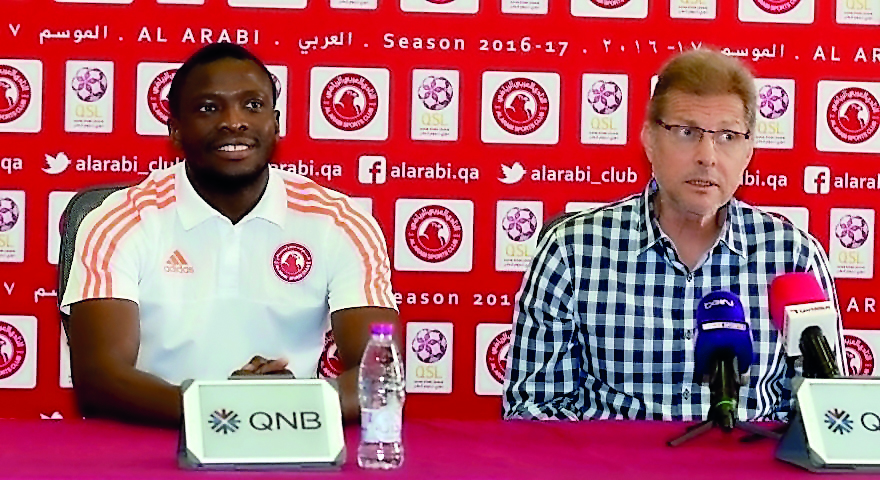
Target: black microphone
{"type": "Point", "coordinates": [723, 352]}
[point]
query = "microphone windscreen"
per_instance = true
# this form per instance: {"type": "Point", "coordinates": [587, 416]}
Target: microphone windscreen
{"type": "Point", "coordinates": [795, 288]}
{"type": "Point", "coordinates": [722, 329]}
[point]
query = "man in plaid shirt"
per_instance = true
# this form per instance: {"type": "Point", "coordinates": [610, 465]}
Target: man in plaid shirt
{"type": "Point", "coordinates": [604, 324]}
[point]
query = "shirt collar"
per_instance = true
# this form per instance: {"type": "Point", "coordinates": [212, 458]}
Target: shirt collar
{"type": "Point", "coordinates": [193, 209]}
{"type": "Point", "coordinates": [733, 230]}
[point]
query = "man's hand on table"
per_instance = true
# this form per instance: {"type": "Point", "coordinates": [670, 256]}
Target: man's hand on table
{"type": "Point", "coordinates": [262, 366]}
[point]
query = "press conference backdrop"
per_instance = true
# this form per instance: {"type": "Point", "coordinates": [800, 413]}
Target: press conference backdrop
{"type": "Point", "coordinates": [463, 124]}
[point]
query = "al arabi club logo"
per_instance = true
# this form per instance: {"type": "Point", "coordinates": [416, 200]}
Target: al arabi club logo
{"type": "Point", "coordinates": [349, 102]}
{"type": "Point", "coordinates": [433, 233]}
{"type": "Point", "coordinates": [496, 355]}
{"type": "Point", "coordinates": [329, 366]}
{"type": "Point", "coordinates": [292, 262]}
{"type": "Point", "coordinates": [15, 93]}
{"type": "Point", "coordinates": [157, 95]}
{"type": "Point", "coordinates": [224, 421]}
{"type": "Point", "coordinates": [610, 3]}
{"type": "Point", "coordinates": [859, 356]}
{"type": "Point", "coordinates": [838, 421]}
{"type": "Point", "coordinates": [853, 115]}
{"type": "Point", "coordinates": [777, 7]}
{"type": "Point", "coordinates": [13, 350]}
{"type": "Point", "coordinates": [520, 106]}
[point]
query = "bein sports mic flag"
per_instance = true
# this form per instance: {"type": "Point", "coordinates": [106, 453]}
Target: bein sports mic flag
{"type": "Point", "coordinates": [722, 330]}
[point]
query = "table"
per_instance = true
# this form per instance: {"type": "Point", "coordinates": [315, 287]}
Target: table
{"type": "Point", "coordinates": [435, 450]}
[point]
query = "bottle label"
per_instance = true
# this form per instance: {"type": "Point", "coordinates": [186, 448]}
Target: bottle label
{"type": "Point", "coordinates": [381, 425]}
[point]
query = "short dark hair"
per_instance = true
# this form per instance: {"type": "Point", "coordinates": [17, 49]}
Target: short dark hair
{"type": "Point", "coordinates": [210, 54]}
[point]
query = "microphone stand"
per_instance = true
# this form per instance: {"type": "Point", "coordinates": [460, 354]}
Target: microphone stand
{"type": "Point", "coordinates": [724, 390]}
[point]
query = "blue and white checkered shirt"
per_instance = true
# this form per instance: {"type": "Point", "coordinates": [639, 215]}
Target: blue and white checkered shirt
{"type": "Point", "coordinates": [604, 323]}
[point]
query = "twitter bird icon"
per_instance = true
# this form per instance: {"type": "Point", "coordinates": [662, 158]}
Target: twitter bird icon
{"type": "Point", "coordinates": [512, 174]}
{"type": "Point", "coordinates": [56, 164]}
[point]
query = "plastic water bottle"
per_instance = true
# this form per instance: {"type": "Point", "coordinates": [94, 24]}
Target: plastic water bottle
{"type": "Point", "coordinates": [381, 392]}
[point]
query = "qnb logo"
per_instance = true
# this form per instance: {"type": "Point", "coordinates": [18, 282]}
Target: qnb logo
{"type": "Point", "coordinates": [838, 421]}
{"type": "Point", "coordinates": [718, 301]}
{"type": "Point", "coordinates": [223, 421]}
{"type": "Point", "coordinates": [264, 421]}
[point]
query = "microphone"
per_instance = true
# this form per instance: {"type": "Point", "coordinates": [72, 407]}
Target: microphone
{"type": "Point", "coordinates": [723, 352]}
{"type": "Point", "coordinates": [808, 322]}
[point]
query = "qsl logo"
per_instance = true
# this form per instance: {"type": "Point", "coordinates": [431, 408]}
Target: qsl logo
{"type": "Point", "coordinates": [520, 106]}
{"type": "Point", "coordinates": [852, 231]}
{"type": "Point", "coordinates": [349, 102]}
{"type": "Point", "coordinates": [15, 93]}
{"type": "Point", "coordinates": [89, 84]}
{"type": "Point", "coordinates": [773, 101]}
{"type": "Point", "coordinates": [853, 115]}
{"type": "Point", "coordinates": [429, 345]}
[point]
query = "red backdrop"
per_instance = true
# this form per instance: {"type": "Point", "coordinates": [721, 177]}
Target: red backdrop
{"type": "Point", "coordinates": [465, 292]}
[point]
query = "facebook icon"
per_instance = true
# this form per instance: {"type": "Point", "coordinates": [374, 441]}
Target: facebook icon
{"type": "Point", "coordinates": [817, 179]}
{"type": "Point", "coordinates": [372, 169]}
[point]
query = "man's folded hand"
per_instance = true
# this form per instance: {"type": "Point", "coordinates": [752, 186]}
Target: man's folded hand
{"type": "Point", "coordinates": [262, 366]}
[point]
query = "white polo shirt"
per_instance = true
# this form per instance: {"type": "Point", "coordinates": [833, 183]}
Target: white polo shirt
{"type": "Point", "coordinates": [212, 294]}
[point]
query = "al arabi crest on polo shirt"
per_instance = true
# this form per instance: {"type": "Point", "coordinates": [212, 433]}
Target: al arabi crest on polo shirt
{"type": "Point", "coordinates": [349, 103]}
{"type": "Point", "coordinates": [433, 235]}
{"type": "Point", "coordinates": [520, 107]}
{"type": "Point", "coordinates": [848, 116]}
{"type": "Point", "coordinates": [292, 262]}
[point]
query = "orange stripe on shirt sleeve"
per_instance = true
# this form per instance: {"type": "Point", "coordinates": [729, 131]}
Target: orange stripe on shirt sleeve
{"type": "Point", "coordinates": [326, 210]}
{"type": "Point", "coordinates": [101, 229]}
{"type": "Point", "coordinates": [120, 234]}
{"type": "Point", "coordinates": [342, 208]}
{"type": "Point", "coordinates": [133, 210]}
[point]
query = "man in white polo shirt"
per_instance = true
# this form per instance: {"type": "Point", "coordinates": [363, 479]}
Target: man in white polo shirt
{"type": "Point", "coordinates": [220, 264]}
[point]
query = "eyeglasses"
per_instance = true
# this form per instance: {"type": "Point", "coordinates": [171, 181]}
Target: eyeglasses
{"type": "Point", "coordinates": [726, 141]}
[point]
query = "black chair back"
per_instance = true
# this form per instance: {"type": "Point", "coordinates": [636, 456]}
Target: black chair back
{"type": "Point", "coordinates": [553, 222]}
{"type": "Point", "coordinates": [79, 206]}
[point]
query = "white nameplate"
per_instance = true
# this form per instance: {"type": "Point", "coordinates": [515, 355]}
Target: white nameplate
{"type": "Point", "coordinates": [261, 423]}
{"type": "Point", "coordinates": [842, 421]}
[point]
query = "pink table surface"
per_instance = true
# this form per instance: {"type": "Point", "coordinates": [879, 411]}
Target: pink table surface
{"type": "Point", "coordinates": [435, 449]}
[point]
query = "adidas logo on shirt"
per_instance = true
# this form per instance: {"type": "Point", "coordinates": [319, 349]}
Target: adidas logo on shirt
{"type": "Point", "coordinates": [177, 264]}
